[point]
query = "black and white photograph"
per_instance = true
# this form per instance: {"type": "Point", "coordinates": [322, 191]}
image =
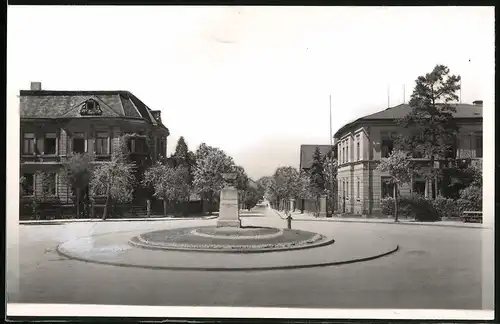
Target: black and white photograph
{"type": "Point", "coordinates": [250, 161]}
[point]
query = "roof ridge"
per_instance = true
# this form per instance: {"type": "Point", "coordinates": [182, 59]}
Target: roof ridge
{"type": "Point", "coordinates": [151, 118]}
{"type": "Point", "coordinates": [135, 107]}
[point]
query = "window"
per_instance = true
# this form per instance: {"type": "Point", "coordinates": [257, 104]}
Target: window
{"type": "Point", "coordinates": [140, 145]}
{"type": "Point", "coordinates": [358, 152]}
{"type": "Point", "coordinates": [347, 154]}
{"type": "Point", "coordinates": [28, 184]}
{"type": "Point", "coordinates": [343, 155]}
{"type": "Point", "coordinates": [347, 189]}
{"type": "Point", "coordinates": [49, 184]}
{"type": "Point", "coordinates": [102, 140]}
{"type": "Point", "coordinates": [451, 149]}
{"type": "Point", "coordinates": [418, 186]}
{"type": "Point", "coordinates": [78, 143]}
{"type": "Point", "coordinates": [137, 145]}
{"type": "Point", "coordinates": [50, 143]}
{"type": "Point", "coordinates": [387, 147]}
{"type": "Point", "coordinates": [479, 145]}
{"type": "Point", "coordinates": [387, 187]}
{"type": "Point", "coordinates": [358, 190]}
{"type": "Point", "coordinates": [417, 154]}
{"type": "Point", "coordinates": [29, 143]}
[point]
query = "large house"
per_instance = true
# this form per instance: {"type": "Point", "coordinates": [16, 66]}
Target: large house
{"type": "Point", "coordinates": [57, 124]}
{"type": "Point", "coordinates": [362, 143]}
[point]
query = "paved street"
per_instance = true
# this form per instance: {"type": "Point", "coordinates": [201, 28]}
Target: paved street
{"type": "Point", "coordinates": [436, 267]}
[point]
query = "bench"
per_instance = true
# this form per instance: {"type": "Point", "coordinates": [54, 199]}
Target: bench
{"type": "Point", "coordinates": [473, 216]}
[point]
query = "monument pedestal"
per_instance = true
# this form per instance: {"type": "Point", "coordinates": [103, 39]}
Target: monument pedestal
{"type": "Point", "coordinates": [229, 208]}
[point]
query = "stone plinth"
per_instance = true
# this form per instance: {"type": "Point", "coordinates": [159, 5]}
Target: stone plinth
{"type": "Point", "coordinates": [229, 207]}
{"type": "Point", "coordinates": [322, 206]}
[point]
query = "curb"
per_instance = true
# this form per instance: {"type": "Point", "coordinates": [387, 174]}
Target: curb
{"type": "Point", "coordinates": [378, 222]}
{"type": "Point", "coordinates": [241, 269]}
{"type": "Point", "coordinates": [115, 220]}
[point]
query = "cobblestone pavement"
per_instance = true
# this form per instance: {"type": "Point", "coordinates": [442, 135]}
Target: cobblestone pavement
{"type": "Point", "coordinates": [436, 267]}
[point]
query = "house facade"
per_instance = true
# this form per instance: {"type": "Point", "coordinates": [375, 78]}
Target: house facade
{"type": "Point", "coordinates": [362, 143]}
{"type": "Point", "coordinates": [57, 124]}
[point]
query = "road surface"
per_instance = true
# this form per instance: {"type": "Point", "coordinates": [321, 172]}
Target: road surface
{"type": "Point", "coordinates": [436, 267]}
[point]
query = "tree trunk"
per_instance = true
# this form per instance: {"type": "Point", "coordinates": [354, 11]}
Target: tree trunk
{"type": "Point", "coordinates": [210, 202]}
{"type": "Point", "coordinates": [148, 207]}
{"type": "Point", "coordinates": [165, 207]}
{"type": "Point", "coordinates": [108, 201]}
{"type": "Point", "coordinates": [78, 203]}
{"type": "Point", "coordinates": [396, 203]}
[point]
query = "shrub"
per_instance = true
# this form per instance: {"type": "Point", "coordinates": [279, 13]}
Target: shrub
{"type": "Point", "coordinates": [387, 206]}
{"type": "Point", "coordinates": [471, 199]}
{"type": "Point", "coordinates": [420, 207]}
{"type": "Point", "coordinates": [405, 206]}
{"type": "Point", "coordinates": [446, 207]}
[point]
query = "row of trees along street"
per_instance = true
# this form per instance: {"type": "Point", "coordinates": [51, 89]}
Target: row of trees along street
{"type": "Point", "coordinates": [289, 183]}
{"type": "Point", "coordinates": [430, 132]}
{"type": "Point", "coordinates": [117, 182]}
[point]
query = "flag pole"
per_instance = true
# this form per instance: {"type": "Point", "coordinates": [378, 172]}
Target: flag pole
{"type": "Point", "coordinates": [404, 93]}
{"type": "Point", "coordinates": [331, 138]}
{"type": "Point", "coordinates": [388, 96]}
{"type": "Point", "coordinates": [331, 158]}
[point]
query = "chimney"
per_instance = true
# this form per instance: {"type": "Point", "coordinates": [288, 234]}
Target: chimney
{"type": "Point", "coordinates": [36, 86]}
{"type": "Point", "coordinates": [478, 103]}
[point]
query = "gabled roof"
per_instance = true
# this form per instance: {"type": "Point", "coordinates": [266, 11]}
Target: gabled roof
{"type": "Point", "coordinates": [399, 111]}
{"type": "Point", "coordinates": [67, 104]}
{"type": "Point", "coordinates": [307, 153]}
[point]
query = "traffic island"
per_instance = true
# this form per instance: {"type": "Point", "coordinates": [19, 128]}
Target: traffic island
{"type": "Point", "coordinates": [114, 249]}
{"type": "Point", "coordinates": [230, 239]}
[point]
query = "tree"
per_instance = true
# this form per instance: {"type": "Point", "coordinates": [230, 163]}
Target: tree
{"type": "Point", "coordinates": [287, 183]}
{"type": "Point", "coordinates": [169, 183]}
{"type": "Point", "coordinates": [211, 163]}
{"type": "Point", "coordinates": [183, 157]}
{"type": "Point", "coordinates": [398, 165]}
{"type": "Point", "coordinates": [77, 171]}
{"type": "Point", "coordinates": [114, 179]}
{"type": "Point", "coordinates": [430, 124]}
{"type": "Point", "coordinates": [317, 177]}
{"type": "Point", "coordinates": [330, 174]}
{"type": "Point", "coordinates": [266, 183]}
{"type": "Point", "coordinates": [251, 197]}
{"type": "Point", "coordinates": [241, 183]}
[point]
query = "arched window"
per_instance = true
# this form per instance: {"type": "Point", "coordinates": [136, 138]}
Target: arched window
{"type": "Point", "coordinates": [91, 108]}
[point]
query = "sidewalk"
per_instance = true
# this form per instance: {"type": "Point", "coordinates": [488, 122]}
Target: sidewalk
{"type": "Point", "coordinates": [90, 220]}
{"type": "Point", "coordinates": [297, 216]}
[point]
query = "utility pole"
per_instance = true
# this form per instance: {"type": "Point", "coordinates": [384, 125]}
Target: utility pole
{"type": "Point", "coordinates": [388, 96]}
{"type": "Point", "coordinates": [331, 158]}
{"type": "Point", "coordinates": [404, 93]}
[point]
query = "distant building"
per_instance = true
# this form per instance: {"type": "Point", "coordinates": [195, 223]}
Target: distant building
{"type": "Point", "coordinates": [57, 124]}
{"type": "Point", "coordinates": [307, 154]}
{"type": "Point", "coordinates": [306, 161]}
{"type": "Point", "coordinates": [362, 143]}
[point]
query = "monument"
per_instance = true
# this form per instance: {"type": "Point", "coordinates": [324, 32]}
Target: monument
{"type": "Point", "coordinates": [229, 206]}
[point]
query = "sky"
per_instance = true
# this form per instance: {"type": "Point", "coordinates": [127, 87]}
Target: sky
{"type": "Point", "coordinates": [253, 81]}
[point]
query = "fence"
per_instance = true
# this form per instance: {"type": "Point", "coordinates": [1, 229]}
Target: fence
{"type": "Point", "coordinates": [55, 209]}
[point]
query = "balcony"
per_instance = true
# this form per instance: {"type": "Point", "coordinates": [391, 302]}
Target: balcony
{"type": "Point", "coordinates": [40, 158]}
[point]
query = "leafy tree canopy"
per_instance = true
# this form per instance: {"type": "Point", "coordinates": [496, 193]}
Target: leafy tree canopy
{"type": "Point", "coordinates": [430, 124]}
